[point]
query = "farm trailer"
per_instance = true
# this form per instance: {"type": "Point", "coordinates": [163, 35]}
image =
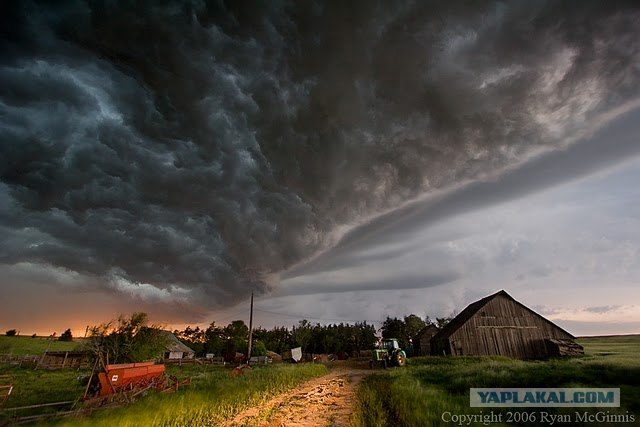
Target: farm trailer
{"type": "Point", "coordinates": [127, 380]}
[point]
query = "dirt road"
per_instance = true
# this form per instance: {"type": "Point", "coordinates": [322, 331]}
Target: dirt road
{"type": "Point", "coordinates": [321, 402]}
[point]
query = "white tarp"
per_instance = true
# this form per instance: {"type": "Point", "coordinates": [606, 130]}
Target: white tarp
{"type": "Point", "coordinates": [296, 354]}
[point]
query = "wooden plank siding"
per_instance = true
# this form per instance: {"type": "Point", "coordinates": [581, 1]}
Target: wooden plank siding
{"type": "Point", "coordinates": [499, 326]}
{"type": "Point", "coordinates": [422, 341]}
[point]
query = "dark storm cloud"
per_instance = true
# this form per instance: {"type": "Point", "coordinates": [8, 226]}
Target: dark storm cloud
{"type": "Point", "coordinates": [202, 146]}
{"type": "Point", "coordinates": [617, 141]}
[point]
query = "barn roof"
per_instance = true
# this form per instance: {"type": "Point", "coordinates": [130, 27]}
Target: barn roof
{"type": "Point", "coordinates": [474, 307]}
{"type": "Point", "coordinates": [174, 344]}
{"type": "Point", "coordinates": [429, 328]}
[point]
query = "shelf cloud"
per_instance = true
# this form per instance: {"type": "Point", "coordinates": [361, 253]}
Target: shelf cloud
{"type": "Point", "coordinates": [193, 151]}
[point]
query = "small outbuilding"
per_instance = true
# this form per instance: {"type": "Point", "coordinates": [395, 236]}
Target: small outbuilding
{"type": "Point", "coordinates": [498, 325]}
{"type": "Point", "coordinates": [422, 341]}
{"type": "Point", "coordinates": [176, 349]}
{"type": "Point", "coordinates": [275, 357]}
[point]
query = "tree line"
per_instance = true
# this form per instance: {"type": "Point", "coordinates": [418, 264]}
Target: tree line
{"type": "Point", "coordinates": [407, 328]}
{"type": "Point", "coordinates": [65, 336]}
{"type": "Point", "coordinates": [312, 338]}
{"type": "Point", "coordinates": [132, 339]}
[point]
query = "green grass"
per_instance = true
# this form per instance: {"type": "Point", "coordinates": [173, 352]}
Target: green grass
{"type": "Point", "coordinates": [213, 396]}
{"type": "Point", "coordinates": [617, 350]}
{"type": "Point", "coordinates": [22, 346]}
{"type": "Point", "coordinates": [31, 387]}
{"type": "Point", "coordinates": [420, 393]}
{"type": "Point", "coordinates": [416, 395]}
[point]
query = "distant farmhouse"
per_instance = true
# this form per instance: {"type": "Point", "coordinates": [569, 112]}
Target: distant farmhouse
{"type": "Point", "coordinates": [176, 349]}
{"type": "Point", "coordinates": [498, 325]}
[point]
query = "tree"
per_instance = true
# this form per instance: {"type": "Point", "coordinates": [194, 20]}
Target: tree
{"type": "Point", "coordinates": [413, 324]}
{"type": "Point", "coordinates": [66, 336]}
{"type": "Point", "coordinates": [404, 330]}
{"type": "Point", "coordinates": [395, 328]}
{"type": "Point", "coordinates": [193, 338]}
{"type": "Point", "coordinates": [214, 339]}
{"type": "Point", "coordinates": [259, 349]}
{"type": "Point", "coordinates": [442, 321]}
{"type": "Point", "coordinates": [127, 340]}
{"type": "Point", "coordinates": [236, 334]}
{"type": "Point", "coordinates": [148, 344]}
{"type": "Point", "coordinates": [365, 336]}
{"type": "Point", "coordinates": [277, 339]}
{"type": "Point", "coordinates": [302, 334]}
{"type": "Point", "coordinates": [11, 333]}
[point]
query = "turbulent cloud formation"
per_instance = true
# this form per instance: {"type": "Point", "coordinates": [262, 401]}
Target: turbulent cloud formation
{"type": "Point", "coordinates": [571, 251]}
{"type": "Point", "coordinates": [389, 237]}
{"type": "Point", "coordinates": [193, 150]}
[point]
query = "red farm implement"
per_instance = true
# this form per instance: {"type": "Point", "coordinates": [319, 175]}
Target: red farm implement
{"type": "Point", "coordinates": [113, 385]}
{"type": "Point", "coordinates": [122, 383]}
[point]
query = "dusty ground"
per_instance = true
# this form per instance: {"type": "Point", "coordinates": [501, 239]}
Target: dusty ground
{"type": "Point", "coordinates": [324, 401]}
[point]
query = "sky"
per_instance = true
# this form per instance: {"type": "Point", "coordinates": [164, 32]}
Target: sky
{"type": "Point", "coordinates": [344, 162]}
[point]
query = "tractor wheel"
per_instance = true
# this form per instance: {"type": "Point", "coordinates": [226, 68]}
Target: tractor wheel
{"type": "Point", "coordinates": [400, 359]}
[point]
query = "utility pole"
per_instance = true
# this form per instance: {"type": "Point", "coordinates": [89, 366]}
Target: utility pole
{"type": "Point", "coordinates": [250, 330]}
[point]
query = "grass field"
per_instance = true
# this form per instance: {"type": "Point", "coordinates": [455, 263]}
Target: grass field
{"type": "Point", "coordinates": [22, 346]}
{"type": "Point", "coordinates": [213, 396]}
{"type": "Point", "coordinates": [416, 395]}
{"type": "Point", "coordinates": [33, 387]}
{"type": "Point", "coordinates": [419, 394]}
{"type": "Point", "coordinates": [622, 349]}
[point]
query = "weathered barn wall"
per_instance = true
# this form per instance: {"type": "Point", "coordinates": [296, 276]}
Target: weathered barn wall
{"type": "Point", "coordinates": [422, 341]}
{"type": "Point", "coordinates": [499, 326]}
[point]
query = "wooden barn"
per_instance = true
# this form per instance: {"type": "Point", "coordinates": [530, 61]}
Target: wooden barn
{"type": "Point", "coordinates": [422, 341]}
{"type": "Point", "coordinates": [498, 325]}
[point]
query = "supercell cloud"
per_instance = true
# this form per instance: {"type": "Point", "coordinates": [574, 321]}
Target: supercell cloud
{"type": "Point", "coordinates": [192, 151]}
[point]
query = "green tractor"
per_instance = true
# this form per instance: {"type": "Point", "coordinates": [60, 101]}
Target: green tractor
{"type": "Point", "coordinates": [388, 353]}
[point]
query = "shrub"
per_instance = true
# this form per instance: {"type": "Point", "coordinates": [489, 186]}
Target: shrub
{"type": "Point", "coordinates": [66, 336]}
{"type": "Point", "coordinates": [11, 333]}
{"type": "Point", "coordinates": [259, 349]}
{"type": "Point", "coordinates": [127, 340]}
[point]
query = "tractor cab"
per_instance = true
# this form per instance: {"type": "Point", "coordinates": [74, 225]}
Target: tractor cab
{"type": "Point", "coordinates": [390, 344]}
